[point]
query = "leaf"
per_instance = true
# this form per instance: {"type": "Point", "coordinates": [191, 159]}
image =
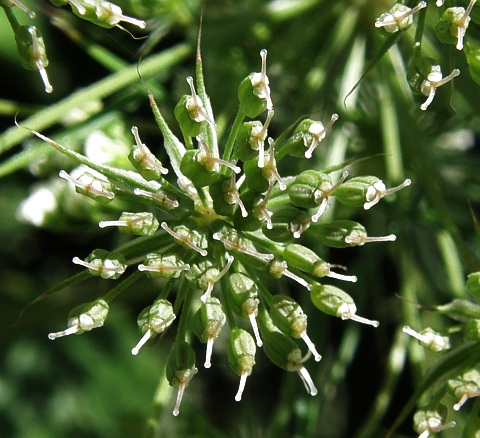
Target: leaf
{"type": "Point", "coordinates": [389, 42]}
{"type": "Point", "coordinates": [117, 81]}
{"type": "Point", "coordinates": [457, 358]}
{"type": "Point", "coordinates": [472, 53]}
{"type": "Point", "coordinates": [77, 278]}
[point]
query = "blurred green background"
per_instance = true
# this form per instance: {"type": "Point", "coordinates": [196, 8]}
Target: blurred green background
{"type": "Point", "coordinates": [90, 385]}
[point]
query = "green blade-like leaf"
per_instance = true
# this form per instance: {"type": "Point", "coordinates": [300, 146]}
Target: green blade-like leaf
{"type": "Point", "coordinates": [389, 42]}
{"type": "Point", "coordinates": [457, 358]}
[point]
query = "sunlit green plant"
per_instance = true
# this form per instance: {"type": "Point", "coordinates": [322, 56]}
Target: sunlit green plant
{"type": "Point", "coordinates": [217, 230]}
{"type": "Point", "coordinates": [217, 215]}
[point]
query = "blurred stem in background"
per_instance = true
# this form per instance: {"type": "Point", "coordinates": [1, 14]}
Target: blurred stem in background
{"type": "Point", "coordinates": [317, 51]}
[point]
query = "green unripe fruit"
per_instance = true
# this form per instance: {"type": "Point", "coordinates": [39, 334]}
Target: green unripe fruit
{"type": "Point", "coordinates": [97, 311]}
{"type": "Point", "coordinates": [254, 92]}
{"type": "Point", "coordinates": [399, 18]}
{"type": "Point", "coordinates": [365, 191]}
{"type": "Point", "coordinates": [288, 223]}
{"type": "Point", "coordinates": [334, 301]}
{"type": "Point", "coordinates": [188, 118]}
{"type": "Point", "coordinates": [243, 294]}
{"type": "Point", "coordinates": [200, 168]}
{"type": "Point", "coordinates": [241, 356]}
{"type": "Point", "coordinates": [159, 265]}
{"type": "Point", "coordinates": [464, 386]}
{"type": "Point", "coordinates": [284, 352]}
{"type": "Point", "coordinates": [102, 13]}
{"type": "Point", "coordinates": [180, 369]}
{"type": "Point", "coordinates": [310, 188]}
{"type": "Point", "coordinates": [304, 259]}
{"type": "Point", "coordinates": [202, 274]}
{"type": "Point", "coordinates": [153, 320]}
{"type": "Point", "coordinates": [144, 161]}
{"type": "Point", "coordinates": [209, 320]}
{"type": "Point", "coordinates": [247, 142]}
{"type": "Point", "coordinates": [306, 137]}
{"type": "Point", "coordinates": [430, 419]}
{"type": "Point", "coordinates": [207, 324]}
{"type": "Point", "coordinates": [32, 51]}
{"type": "Point", "coordinates": [83, 318]}
{"type": "Point", "coordinates": [288, 316]}
{"type": "Point", "coordinates": [257, 179]}
{"type": "Point", "coordinates": [290, 319]}
{"type": "Point", "coordinates": [301, 257]}
{"type": "Point", "coordinates": [92, 186]}
{"type": "Point", "coordinates": [222, 194]}
{"type": "Point", "coordinates": [139, 224]}
{"type": "Point", "coordinates": [453, 25]}
{"type": "Point", "coordinates": [241, 352]}
{"type": "Point", "coordinates": [157, 317]}
{"type": "Point", "coordinates": [101, 263]}
{"type": "Point", "coordinates": [424, 76]}
{"type": "Point", "coordinates": [345, 233]}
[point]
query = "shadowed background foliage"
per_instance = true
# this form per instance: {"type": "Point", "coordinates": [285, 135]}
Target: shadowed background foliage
{"type": "Point", "coordinates": [91, 385]}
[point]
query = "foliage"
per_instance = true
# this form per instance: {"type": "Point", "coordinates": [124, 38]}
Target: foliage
{"type": "Point", "coordinates": [401, 82]}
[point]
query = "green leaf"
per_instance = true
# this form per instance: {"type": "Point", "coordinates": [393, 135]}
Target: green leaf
{"type": "Point", "coordinates": [389, 42]}
{"type": "Point", "coordinates": [472, 52]}
{"type": "Point", "coordinates": [457, 358]}
{"type": "Point", "coordinates": [101, 89]}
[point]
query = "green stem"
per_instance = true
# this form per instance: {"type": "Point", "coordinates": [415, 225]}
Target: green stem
{"type": "Point", "coordinates": [419, 31]}
{"type": "Point", "coordinates": [166, 290]}
{"type": "Point", "coordinates": [144, 245]}
{"type": "Point", "coordinates": [265, 322]}
{"type": "Point", "coordinates": [227, 153]}
{"type": "Point", "coordinates": [227, 307]}
{"type": "Point", "coordinates": [452, 263]}
{"type": "Point", "coordinates": [390, 134]}
{"type": "Point", "coordinates": [185, 295]}
{"type": "Point", "coordinates": [160, 400]}
{"type": "Point", "coordinates": [409, 274]}
{"type": "Point", "coordinates": [10, 107]}
{"type": "Point", "coordinates": [101, 89]}
{"type": "Point", "coordinates": [278, 201]}
{"type": "Point", "coordinates": [264, 244]}
{"type": "Point", "coordinates": [188, 142]}
{"type": "Point", "coordinates": [11, 18]}
{"type": "Point", "coordinates": [110, 296]}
